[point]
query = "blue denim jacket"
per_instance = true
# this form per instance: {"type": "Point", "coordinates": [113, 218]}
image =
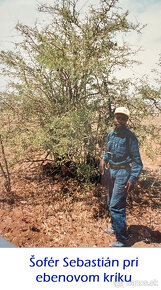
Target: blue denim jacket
{"type": "Point", "coordinates": [122, 149]}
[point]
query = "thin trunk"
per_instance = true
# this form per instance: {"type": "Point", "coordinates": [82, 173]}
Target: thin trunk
{"type": "Point", "coordinates": [6, 174]}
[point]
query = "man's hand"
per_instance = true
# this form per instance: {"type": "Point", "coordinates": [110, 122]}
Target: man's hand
{"type": "Point", "coordinates": [129, 186]}
{"type": "Point", "coordinates": [102, 166]}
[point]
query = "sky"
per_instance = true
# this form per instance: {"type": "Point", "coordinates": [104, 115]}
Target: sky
{"type": "Point", "coordinates": [144, 11]}
{"type": "Point", "coordinates": [147, 12]}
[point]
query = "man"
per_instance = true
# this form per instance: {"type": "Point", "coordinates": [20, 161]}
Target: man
{"type": "Point", "coordinates": [125, 166]}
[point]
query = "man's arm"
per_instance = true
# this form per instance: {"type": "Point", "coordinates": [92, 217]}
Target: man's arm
{"type": "Point", "coordinates": [137, 164]}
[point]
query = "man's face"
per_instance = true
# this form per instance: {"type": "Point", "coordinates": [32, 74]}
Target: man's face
{"type": "Point", "coordinates": [120, 120]}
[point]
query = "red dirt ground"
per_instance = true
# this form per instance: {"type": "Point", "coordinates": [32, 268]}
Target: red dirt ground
{"type": "Point", "coordinates": [59, 212]}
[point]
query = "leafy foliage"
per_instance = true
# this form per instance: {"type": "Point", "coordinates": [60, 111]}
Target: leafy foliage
{"type": "Point", "coordinates": [63, 92]}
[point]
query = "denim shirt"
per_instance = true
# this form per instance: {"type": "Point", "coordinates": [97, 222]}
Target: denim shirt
{"type": "Point", "coordinates": [122, 149]}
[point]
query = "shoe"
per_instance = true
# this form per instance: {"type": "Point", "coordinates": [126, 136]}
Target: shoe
{"type": "Point", "coordinates": [109, 231]}
{"type": "Point", "coordinates": [118, 244]}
